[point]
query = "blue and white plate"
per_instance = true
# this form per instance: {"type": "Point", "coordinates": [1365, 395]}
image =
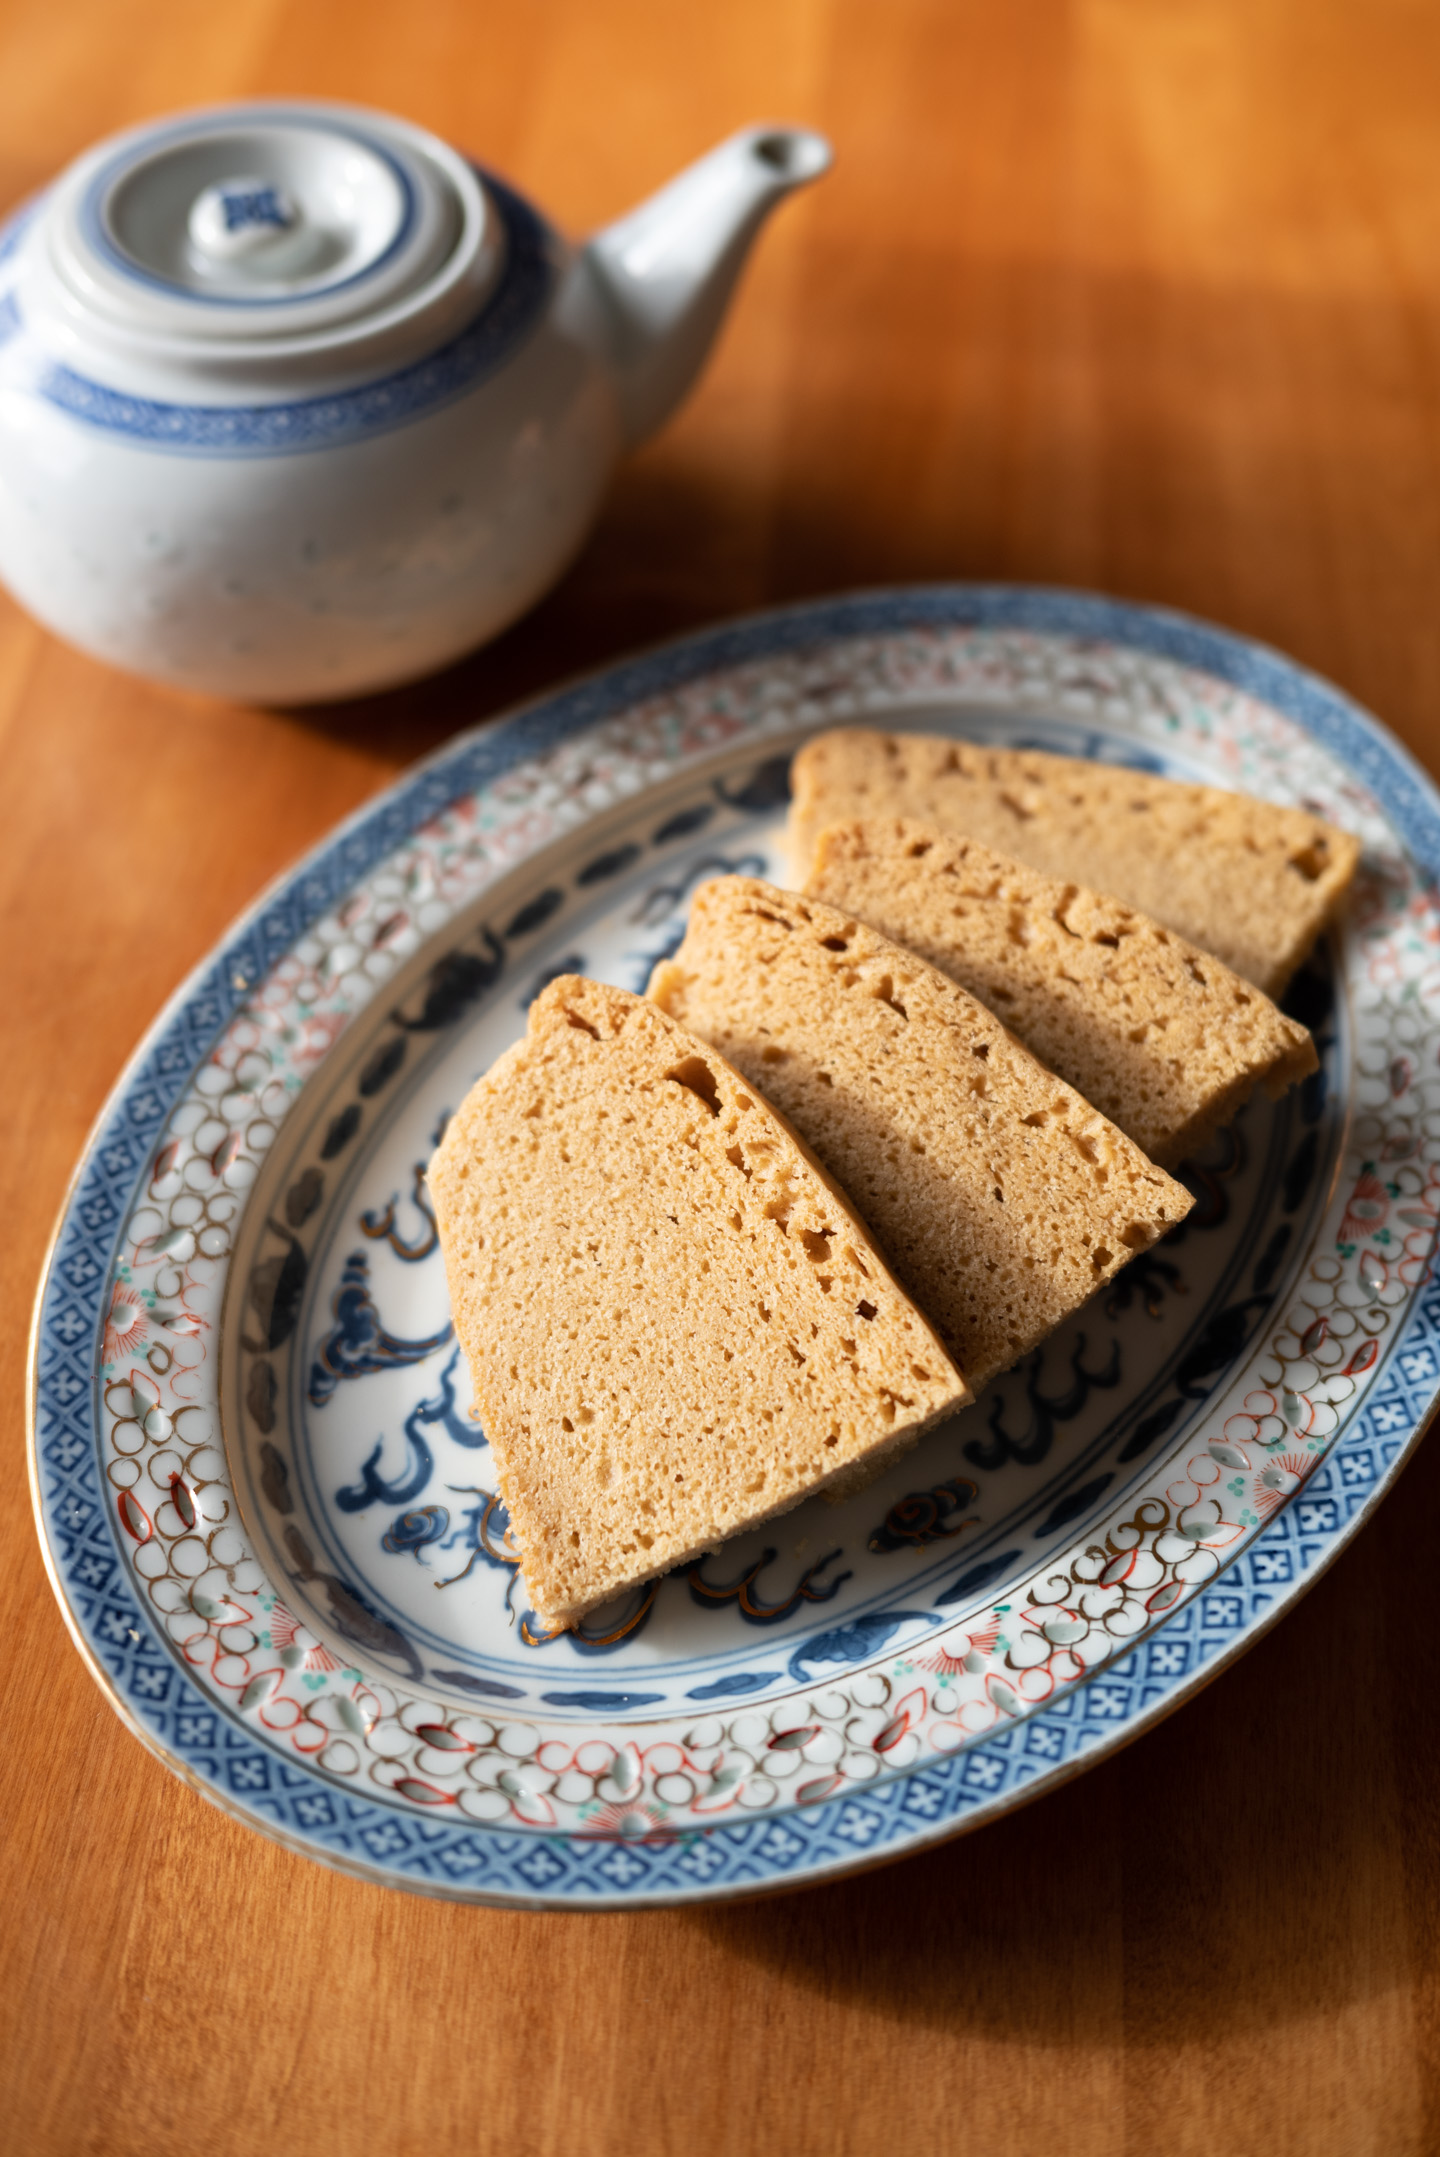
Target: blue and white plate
{"type": "Point", "coordinates": [273, 1525]}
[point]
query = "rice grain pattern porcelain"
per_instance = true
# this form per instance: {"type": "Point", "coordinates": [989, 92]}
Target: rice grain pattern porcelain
{"type": "Point", "coordinates": [274, 1529]}
{"type": "Point", "coordinates": [297, 403]}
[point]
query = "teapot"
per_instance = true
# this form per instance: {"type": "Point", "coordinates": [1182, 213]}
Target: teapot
{"type": "Point", "coordinates": [296, 402]}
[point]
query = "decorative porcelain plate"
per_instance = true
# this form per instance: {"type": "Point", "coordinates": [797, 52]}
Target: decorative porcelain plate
{"type": "Point", "coordinates": [272, 1523]}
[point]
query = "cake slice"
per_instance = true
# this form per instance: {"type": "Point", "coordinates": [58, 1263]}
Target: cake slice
{"type": "Point", "coordinates": [1001, 1198]}
{"type": "Point", "coordinates": [1250, 882]}
{"type": "Point", "coordinates": [675, 1322]}
{"type": "Point", "coordinates": [1158, 1035]}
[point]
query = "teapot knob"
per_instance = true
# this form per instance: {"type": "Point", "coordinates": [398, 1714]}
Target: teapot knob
{"type": "Point", "coordinates": [241, 217]}
{"type": "Point", "coordinates": [250, 224]}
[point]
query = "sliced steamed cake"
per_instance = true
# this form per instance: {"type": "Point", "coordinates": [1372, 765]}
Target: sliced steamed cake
{"type": "Point", "coordinates": [675, 1323]}
{"type": "Point", "coordinates": [1253, 883]}
{"type": "Point", "coordinates": [1001, 1198]}
{"type": "Point", "coordinates": [1158, 1035]}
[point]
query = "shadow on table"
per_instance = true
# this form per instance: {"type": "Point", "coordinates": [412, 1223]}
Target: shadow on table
{"type": "Point", "coordinates": [674, 551]}
{"type": "Point", "coordinates": [1256, 1857]}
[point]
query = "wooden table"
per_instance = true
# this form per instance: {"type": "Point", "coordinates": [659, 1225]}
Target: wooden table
{"type": "Point", "coordinates": [1109, 292]}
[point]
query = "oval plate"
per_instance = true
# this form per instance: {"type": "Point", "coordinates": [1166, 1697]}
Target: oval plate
{"type": "Point", "coordinates": [269, 1518]}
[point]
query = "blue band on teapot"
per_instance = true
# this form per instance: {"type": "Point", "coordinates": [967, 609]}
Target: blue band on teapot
{"type": "Point", "coordinates": [269, 430]}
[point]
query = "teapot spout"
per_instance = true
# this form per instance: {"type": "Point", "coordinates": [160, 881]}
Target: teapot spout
{"type": "Point", "coordinates": [668, 268]}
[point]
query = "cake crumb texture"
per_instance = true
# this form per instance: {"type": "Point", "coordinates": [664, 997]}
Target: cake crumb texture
{"type": "Point", "coordinates": [675, 1323]}
{"type": "Point", "coordinates": [1001, 1198]}
{"type": "Point", "coordinates": [1160, 1036]}
{"type": "Point", "coordinates": [1249, 881]}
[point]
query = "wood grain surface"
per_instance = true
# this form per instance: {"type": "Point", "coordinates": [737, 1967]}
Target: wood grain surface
{"type": "Point", "coordinates": [1136, 294]}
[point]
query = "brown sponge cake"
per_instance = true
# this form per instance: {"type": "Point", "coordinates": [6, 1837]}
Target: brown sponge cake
{"type": "Point", "coordinates": [1250, 882]}
{"type": "Point", "coordinates": [1158, 1035]}
{"type": "Point", "coordinates": [676, 1324]}
{"type": "Point", "coordinates": [1001, 1198]}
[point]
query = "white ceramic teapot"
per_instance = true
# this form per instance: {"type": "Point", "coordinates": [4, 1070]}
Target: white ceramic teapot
{"type": "Point", "coordinates": [296, 402]}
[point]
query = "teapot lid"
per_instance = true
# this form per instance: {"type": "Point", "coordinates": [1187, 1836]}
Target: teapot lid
{"type": "Point", "coordinates": [262, 229]}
